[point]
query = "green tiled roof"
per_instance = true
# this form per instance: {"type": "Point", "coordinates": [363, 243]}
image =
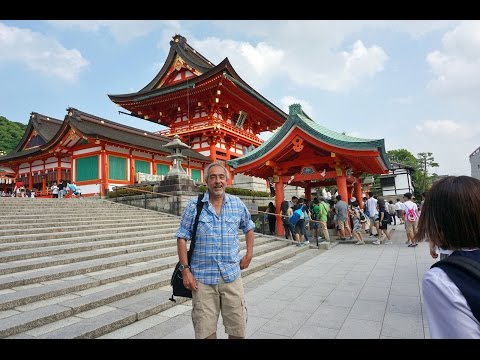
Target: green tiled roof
{"type": "Point", "coordinates": [297, 117]}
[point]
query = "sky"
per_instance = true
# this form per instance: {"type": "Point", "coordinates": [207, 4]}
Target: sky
{"type": "Point", "coordinates": [413, 83]}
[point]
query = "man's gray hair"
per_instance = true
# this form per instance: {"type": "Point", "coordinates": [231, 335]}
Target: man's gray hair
{"type": "Point", "coordinates": [206, 172]}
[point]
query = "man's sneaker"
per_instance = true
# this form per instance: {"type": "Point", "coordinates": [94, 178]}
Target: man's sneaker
{"type": "Point", "coordinates": [376, 242]}
{"type": "Point", "coordinates": [360, 242]}
{"type": "Point", "coordinates": [371, 235]}
{"type": "Point", "coordinates": [306, 242]}
{"type": "Point", "coordinates": [376, 235]}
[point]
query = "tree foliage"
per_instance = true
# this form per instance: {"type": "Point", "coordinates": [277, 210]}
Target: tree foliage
{"type": "Point", "coordinates": [10, 134]}
{"type": "Point", "coordinates": [426, 160]}
{"type": "Point", "coordinates": [402, 156]}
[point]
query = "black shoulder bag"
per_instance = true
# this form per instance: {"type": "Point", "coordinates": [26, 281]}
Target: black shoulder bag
{"type": "Point", "coordinates": [177, 280]}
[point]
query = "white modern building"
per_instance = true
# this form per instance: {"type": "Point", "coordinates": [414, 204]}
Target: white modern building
{"type": "Point", "coordinates": [475, 163]}
{"type": "Point", "coordinates": [398, 181]}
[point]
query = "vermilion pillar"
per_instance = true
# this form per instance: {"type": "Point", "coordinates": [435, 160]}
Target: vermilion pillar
{"type": "Point", "coordinates": [104, 182]}
{"type": "Point", "coordinates": [308, 193]}
{"type": "Point", "coordinates": [358, 192]}
{"type": "Point", "coordinates": [279, 197]}
{"type": "Point", "coordinates": [342, 184]}
{"type": "Point", "coordinates": [59, 170]}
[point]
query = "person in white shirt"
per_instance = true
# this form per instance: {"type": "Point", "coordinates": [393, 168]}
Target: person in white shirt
{"type": "Point", "coordinates": [450, 218]}
{"type": "Point", "coordinates": [411, 218]}
{"type": "Point", "coordinates": [399, 210]}
{"type": "Point", "coordinates": [372, 213]}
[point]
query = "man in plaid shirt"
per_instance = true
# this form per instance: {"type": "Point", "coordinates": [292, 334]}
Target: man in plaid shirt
{"type": "Point", "coordinates": [214, 275]}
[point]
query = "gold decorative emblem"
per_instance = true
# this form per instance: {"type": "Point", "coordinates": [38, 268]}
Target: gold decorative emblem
{"type": "Point", "coordinates": [178, 65]}
{"type": "Point", "coordinates": [297, 144]}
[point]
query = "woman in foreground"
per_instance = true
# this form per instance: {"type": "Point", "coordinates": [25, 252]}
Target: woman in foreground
{"type": "Point", "coordinates": [451, 220]}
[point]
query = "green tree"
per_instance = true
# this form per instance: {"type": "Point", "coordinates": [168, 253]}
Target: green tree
{"type": "Point", "coordinates": [426, 160]}
{"type": "Point", "coordinates": [10, 134]}
{"type": "Point", "coordinates": [402, 156]}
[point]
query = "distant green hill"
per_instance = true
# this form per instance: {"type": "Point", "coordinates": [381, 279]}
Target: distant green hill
{"type": "Point", "coordinates": [10, 134]}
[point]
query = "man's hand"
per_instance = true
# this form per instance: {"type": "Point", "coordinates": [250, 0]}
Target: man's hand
{"type": "Point", "coordinates": [245, 262]}
{"type": "Point", "coordinates": [188, 280]}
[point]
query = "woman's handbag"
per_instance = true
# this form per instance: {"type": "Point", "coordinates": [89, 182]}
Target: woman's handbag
{"type": "Point", "coordinates": [177, 280]}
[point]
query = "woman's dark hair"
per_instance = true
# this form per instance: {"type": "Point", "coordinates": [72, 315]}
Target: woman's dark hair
{"type": "Point", "coordinates": [451, 213]}
{"type": "Point", "coordinates": [284, 207]}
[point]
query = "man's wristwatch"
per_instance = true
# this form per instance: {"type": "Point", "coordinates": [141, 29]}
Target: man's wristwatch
{"type": "Point", "coordinates": [183, 267]}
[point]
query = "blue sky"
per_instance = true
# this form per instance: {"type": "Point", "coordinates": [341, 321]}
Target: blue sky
{"type": "Point", "coordinates": [413, 83]}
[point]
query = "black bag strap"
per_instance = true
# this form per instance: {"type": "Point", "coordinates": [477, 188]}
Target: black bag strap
{"type": "Point", "coordinates": [462, 262]}
{"type": "Point", "coordinates": [195, 226]}
{"type": "Point", "coordinates": [467, 285]}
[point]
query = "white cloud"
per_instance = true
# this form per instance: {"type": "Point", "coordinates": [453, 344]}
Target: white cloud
{"type": "Point", "coordinates": [452, 130]}
{"type": "Point", "coordinates": [418, 28]}
{"type": "Point", "coordinates": [456, 68]}
{"type": "Point", "coordinates": [311, 53]}
{"type": "Point", "coordinates": [256, 64]}
{"type": "Point", "coordinates": [40, 53]}
{"type": "Point", "coordinates": [450, 142]}
{"type": "Point", "coordinates": [123, 31]}
{"type": "Point", "coordinates": [286, 101]}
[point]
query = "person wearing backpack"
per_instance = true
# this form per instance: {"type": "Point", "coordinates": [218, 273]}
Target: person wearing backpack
{"type": "Point", "coordinates": [411, 219]}
{"type": "Point", "coordinates": [451, 288]}
{"type": "Point", "coordinates": [384, 220]}
{"type": "Point", "coordinates": [299, 222]}
{"type": "Point", "coordinates": [286, 211]}
{"type": "Point", "coordinates": [315, 211]}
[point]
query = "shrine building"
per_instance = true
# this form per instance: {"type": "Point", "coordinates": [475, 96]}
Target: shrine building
{"type": "Point", "coordinates": [95, 153]}
{"type": "Point", "coordinates": [303, 153]}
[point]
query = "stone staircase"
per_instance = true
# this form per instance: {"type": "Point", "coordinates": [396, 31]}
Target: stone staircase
{"type": "Point", "coordinates": [81, 268]}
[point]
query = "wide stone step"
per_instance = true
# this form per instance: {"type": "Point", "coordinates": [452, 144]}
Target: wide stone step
{"type": "Point", "coordinates": [88, 238]}
{"type": "Point", "coordinates": [86, 220]}
{"type": "Point", "coordinates": [29, 319]}
{"type": "Point", "coordinates": [115, 245]}
{"type": "Point", "coordinates": [115, 268]}
{"type": "Point", "coordinates": [143, 255]}
{"type": "Point", "coordinates": [87, 232]}
{"type": "Point", "coordinates": [64, 213]}
{"type": "Point", "coordinates": [121, 314]}
{"type": "Point", "coordinates": [22, 297]}
{"type": "Point", "coordinates": [44, 228]}
{"type": "Point", "coordinates": [147, 235]}
{"type": "Point", "coordinates": [50, 272]}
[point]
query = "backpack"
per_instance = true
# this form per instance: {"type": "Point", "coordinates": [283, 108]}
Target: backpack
{"type": "Point", "coordinates": [362, 215]}
{"type": "Point", "coordinates": [411, 215]}
{"type": "Point", "coordinates": [464, 271]}
{"type": "Point", "coordinates": [297, 214]}
{"type": "Point", "coordinates": [313, 214]}
{"type": "Point", "coordinates": [386, 217]}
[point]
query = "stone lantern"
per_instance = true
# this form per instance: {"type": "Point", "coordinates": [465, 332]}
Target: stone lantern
{"type": "Point", "coordinates": [177, 146]}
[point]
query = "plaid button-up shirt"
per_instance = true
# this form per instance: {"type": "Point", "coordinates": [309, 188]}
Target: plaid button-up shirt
{"type": "Point", "coordinates": [217, 246]}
